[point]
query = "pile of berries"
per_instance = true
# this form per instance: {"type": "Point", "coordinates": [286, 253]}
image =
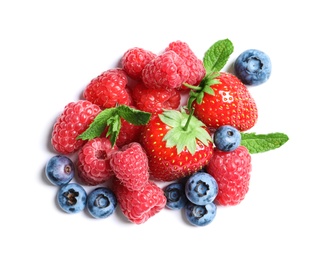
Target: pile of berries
{"type": "Point", "coordinates": [132, 131]}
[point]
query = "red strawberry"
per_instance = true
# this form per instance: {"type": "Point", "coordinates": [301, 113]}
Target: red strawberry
{"type": "Point", "coordinates": [176, 144]}
{"type": "Point", "coordinates": [231, 170]}
{"type": "Point", "coordinates": [75, 119]}
{"type": "Point", "coordinates": [108, 89]}
{"type": "Point", "coordinates": [231, 104]}
{"type": "Point", "coordinates": [134, 60]}
{"type": "Point", "coordinates": [139, 205]}
{"type": "Point", "coordinates": [94, 161]}
{"type": "Point", "coordinates": [195, 65]}
{"type": "Point", "coordinates": [168, 70]}
{"type": "Point", "coordinates": [155, 100]}
{"type": "Point", "coordinates": [130, 166]}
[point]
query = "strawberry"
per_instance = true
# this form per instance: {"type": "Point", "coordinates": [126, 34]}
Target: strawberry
{"type": "Point", "coordinates": [230, 104]}
{"type": "Point", "coordinates": [177, 145]}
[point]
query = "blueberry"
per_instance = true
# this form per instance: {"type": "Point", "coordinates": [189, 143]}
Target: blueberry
{"type": "Point", "coordinates": [200, 215]}
{"type": "Point", "coordinates": [227, 138]}
{"type": "Point", "coordinates": [253, 67]}
{"type": "Point", "coordinates": [72, 198]}
{"type": "Point", "coordinates": [101, 202]}
{"type": "Point", "coordinates": [59, 170]}
{"type": "Point", "coordinates": [175, 195]}
{"type": "Point", "coordinates": [201, 188]}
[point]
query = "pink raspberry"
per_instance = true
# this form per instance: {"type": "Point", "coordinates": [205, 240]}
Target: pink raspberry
{"type": "Point", "coordinates": [231, 170]}
{"type": "Point", "coordinates": [134, 60]}
{"type": "Point", "coordinates": [108, 89]}
{"type": "Point", "coordinates": [130, 166]}
{"type": "Point", "coordinates": [139, 205]}
{"type": "Point", "coordinates": [195, 65]}
{"type": "Point", "coordinates": [167, 71]}
{"type": "Point", "coordinates": [74, 120]}
{"type": "Point", "coordinates": [94, 161]}
{"type": "Point", "coordinates": [155, 100]}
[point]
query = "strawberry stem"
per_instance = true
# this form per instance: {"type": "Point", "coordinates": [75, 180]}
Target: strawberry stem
{"type": "Point", "coordinates": [185, 128]}
{"type": "Point", "coordinates": [192, 87]}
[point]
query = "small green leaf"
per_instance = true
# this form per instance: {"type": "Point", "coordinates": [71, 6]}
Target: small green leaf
{"type": "Point", "coordinates": [97, 127]}
{"type": "Point", "coordinates": [258, 143]}
{"type": "Point", "coordinates": [133, 116]}
{"type": "Point", "coordinates": [217, 55]}
{"type": "Point", "coordinates": [114, 124]}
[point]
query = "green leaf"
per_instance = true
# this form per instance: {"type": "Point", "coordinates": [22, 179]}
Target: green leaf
{"type": "Point", "coordinates": [97, 127]}
{"type": "Point", "coordinates": [133, 116]}
{"type": "Point", "coordinates": [258, 143]}
{"type": "Point", "coordinates": [114, 124]}
{"type": "Point", "coordinates": [217, 55]}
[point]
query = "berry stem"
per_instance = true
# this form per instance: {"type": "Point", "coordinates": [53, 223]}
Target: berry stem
{"type": "Point", "coordinates": [191, 112]}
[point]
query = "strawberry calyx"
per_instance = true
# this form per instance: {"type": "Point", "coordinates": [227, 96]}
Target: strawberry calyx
{"type": "Point", "coordinates": [110, 119]}
{"type": "Point", "coordinates": [185, 130]}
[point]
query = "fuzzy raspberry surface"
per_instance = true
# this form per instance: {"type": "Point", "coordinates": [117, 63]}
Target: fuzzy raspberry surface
{"type": "Point", "coordinates": [168, 71]}
{"type": "Point", "coordinates": [139, 205]}
{"type": "Point", "coordinates": [134, 60]}
{"type": "Point", "coordinates": [94, 161]}
{"type": "Point", "coordinates": [75, 119]}
{"type": "Point", "coordinates": [130, 166]}
{"type": "Point", "coordinates": [231, 171]}
{"type": "Point", "coordinates": [108, 89]}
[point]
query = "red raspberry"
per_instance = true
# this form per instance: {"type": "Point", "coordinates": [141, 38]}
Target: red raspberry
{"type": "Point", "coordinates": [128, 133]}
{"type": "Point", "coordinates": [166, 71]}
{"type": "Point", "coordinates": [139, 205]}
{"type": "Point", "coordinates": [195, 65]}
{"type": "Point", "coordinates": [94, 161]}
{"type": "Point", "coordinates": [74, 120]}
{"type": "Point", "coordinates": [134, 60]}
{"type": "Point", "coordinates": [130, 166]}
{"type": "Point", "coordinates": [155, 100]}
{"type": "Point", "coordinates": [108, 89]}
{"type": "Point", "coordinates": [231, 171]}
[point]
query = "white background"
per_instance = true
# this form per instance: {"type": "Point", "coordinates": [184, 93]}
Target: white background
{"type": "Point", "coordinates": [49, 51]}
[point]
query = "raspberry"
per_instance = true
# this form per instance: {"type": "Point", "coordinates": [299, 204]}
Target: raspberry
{"type": "Point", "coordinates": [167, 70]}
{"type": "Point", "coordinates": [195, 65]}
{"type": "Point", "coordinates": [231, 171]}
{"type": "Point", "coordinates": [128, 133]}
{"type": "Point", "coordinates": [108, 89]}
{"type": "Point", "coordinates": [75, 119]}
{"type": "Point", "coordinates": [139, 205]}
{"type": "Point", "coordinates": [94, 161]}
{"type": "Point", "coordinates": [130, 166]}
{"type": "Point", "coordinates": [134, 60]}
{"type": "Point", "coordinates": [155, 100]}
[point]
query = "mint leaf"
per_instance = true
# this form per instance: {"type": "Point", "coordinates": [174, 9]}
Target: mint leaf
{"type": "Point", "coordinates": [133, 116]}
{"type": "Point", "coordinates": [217, 55]}
{"type": "Point", "coordinates": [258, 143]}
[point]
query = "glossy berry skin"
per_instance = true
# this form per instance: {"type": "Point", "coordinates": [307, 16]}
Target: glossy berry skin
{"type": "Point", "coordinates": [167, 71]}
{"type": "Point", "coordinates": [139, 206]}
{"type": "Point", "coordinates": [200, 215]}
{"type": "Point", "coordinates": [101, 202]}
{"type": "Point", "coordinates": [74, 120]}
{"type": "Point", "coordinates": [108, 89]}
{"type": "Point", "coordinates": [72, 198]}
{"type": "Point", "coordinates": [155, 100]}
{"type": "Point", "coordinates": [175, 195]}
{"type": "Point", "coordinates": [60, 170]}
{"type": "Point", "coordinates": [195, 65]}
{"type": "Point", "coordinates": [227, 138]}
{"type": "Point", "coordinates": [201, 188]}
{"type": "Point", "coordinates": [231, 170]}
{"type": "Point", "coordinates": [231, 104]}
{"type": "Point", "coordinates": [134, 60]}
{"type": "Point", "coordinates": [93, 161]}
{"type": "Point", "coordinates": [253, 67]}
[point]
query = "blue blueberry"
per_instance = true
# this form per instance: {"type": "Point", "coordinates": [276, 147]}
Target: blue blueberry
{"type": "Point", "coordinates": [201, 188]}
{"type": "Point", "coordinates": [101, 202]}
{"type": "Point", "coordinates": [227, 138]}
{"type": "Point", "coordinates": [200, 215]}
{"type": "Point", "coordinates": [60, 170]}
{"type": "Point", "coordinates": [72, 198]}
{"type": "Point", "coordinates": [253, 67]}
{"type": "Point", "coordinates": [175, 195]}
